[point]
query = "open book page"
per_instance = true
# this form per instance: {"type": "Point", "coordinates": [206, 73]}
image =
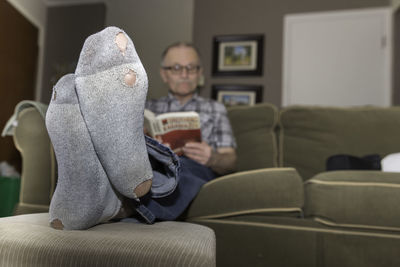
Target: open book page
{"type": "Point", "coordinates": [174, 128]}
{"type": "Point", "coordinates": [151, 124]}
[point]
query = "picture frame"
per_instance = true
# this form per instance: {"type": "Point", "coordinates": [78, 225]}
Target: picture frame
{"type": "Point", "coordinates": [232, 95]}
{"type": "Point", "coordinates": [235, 55]}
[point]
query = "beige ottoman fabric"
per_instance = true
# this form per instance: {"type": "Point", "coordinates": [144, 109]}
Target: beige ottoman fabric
{"type": "Point", "coordinates": [27, 240]}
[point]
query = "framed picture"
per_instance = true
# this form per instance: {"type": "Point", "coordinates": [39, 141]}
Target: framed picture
{"type": "Point", "coordinates": [237, 55]}
{"type": "Point", "coordinates": [231, 95]}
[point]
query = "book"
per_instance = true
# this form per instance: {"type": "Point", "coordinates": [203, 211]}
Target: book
{"type": "Point", "coordinates": [173, 128]}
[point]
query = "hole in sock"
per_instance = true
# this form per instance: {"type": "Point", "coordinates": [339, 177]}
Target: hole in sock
{"type": "Point", "coordinates": [130, 78]}
{"type": "Point", "coordinates": [143, 188]}
{"type": "Point", "coordinates": [57, 224]}
{"type": "Point", "coordinates": [121, 42]}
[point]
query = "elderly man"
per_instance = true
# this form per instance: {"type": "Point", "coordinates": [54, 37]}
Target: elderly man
{"type": "Point", "coordinates": [181, 70]}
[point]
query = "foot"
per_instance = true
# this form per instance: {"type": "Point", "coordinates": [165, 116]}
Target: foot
{"type": "Point", "coordinates": [111, 85]}
{"type": "Point", "coordinates": [83, 196]}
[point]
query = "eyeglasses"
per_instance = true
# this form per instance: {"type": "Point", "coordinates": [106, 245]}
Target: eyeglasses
{"type": "Point", "coordinates": [178, 69]}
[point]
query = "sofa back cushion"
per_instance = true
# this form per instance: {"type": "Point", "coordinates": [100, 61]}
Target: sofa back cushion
{"type": "Point", "coordinates": [254, 130]}
{"type": "Point", "coordinates": [309, 135]}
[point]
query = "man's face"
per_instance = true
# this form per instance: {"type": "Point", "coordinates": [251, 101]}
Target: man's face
{"type": "Point", "coordinates": [181, 81]}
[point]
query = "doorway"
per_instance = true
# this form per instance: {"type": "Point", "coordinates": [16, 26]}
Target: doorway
{"type": "Point", "coordinates": [338, 58]}
{"type": "Point", "coordinates": [18, 54]}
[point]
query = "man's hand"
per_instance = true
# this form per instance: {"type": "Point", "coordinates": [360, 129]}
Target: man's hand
{"type": "Point", "coordinates": [222, 160]}
{"type": "Point", "coordinates": [200, 152]}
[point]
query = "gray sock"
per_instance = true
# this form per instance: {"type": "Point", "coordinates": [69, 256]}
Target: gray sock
{"type": "Point", "coordinates": [111, 85]}
{"type": "Point", "coordinates": [84, 196]}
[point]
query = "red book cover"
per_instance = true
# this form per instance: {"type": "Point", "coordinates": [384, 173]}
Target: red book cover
{"type": "Point", "coordinates": [178, 138]}
{"type": "Point", "coordinates": [174, 128]}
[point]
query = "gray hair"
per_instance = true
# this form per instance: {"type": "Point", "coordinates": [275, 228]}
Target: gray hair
{"type": "Point", "coordinates": [180, 44]}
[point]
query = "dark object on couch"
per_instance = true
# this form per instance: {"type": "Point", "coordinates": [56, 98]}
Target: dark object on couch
{"type": "Point", "coordinates": [349, 162]}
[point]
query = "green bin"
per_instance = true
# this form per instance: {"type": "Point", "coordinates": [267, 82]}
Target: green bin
{"type": "Point", "coordinates": [9, 194]}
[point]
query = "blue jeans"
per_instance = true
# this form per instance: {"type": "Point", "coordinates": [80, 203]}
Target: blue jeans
{"type": "Point", "coordinates": [176, 183]}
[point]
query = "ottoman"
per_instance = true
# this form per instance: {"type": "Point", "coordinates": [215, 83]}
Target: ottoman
{"type": "Point", "coordinates": [27, 240]}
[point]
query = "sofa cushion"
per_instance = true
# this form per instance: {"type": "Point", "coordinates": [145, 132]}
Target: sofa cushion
{"type": "Point", "coordinates": [309, 135]}
{"type": "Point", "coordinates": [254, 130]}
{"type": "Point", "coordinates": [27, 240]}
{"type": "Point", "coordinates": [264, 191]}
{"type": "Point", "coordinates": [360, 199]}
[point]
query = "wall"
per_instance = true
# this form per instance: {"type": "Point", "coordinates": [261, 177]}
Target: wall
{"type": "Point", "coordinates": [395, 4]}
{"type": "Point", "coordinates": [67, 27]}
{"type": "Point", "coordinates": [63, 26]}
{"type": "Point", "coordinates": [35, 12]}
{"type": "Point", "coordinates": [152, 25]}
{"type": "Point", "coordinates": [223, 17]}
{"type": "Point", "coordinates": [32, 10]}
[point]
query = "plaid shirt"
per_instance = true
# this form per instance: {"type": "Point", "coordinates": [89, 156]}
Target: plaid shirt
{"type": "Point", "coordinates": [215, 127]}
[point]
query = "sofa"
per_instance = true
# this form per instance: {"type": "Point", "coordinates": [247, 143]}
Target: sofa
{"type": "Point", "coordinates": [280, 208]}
{"type": "Point", "coordinates": [286, 210]}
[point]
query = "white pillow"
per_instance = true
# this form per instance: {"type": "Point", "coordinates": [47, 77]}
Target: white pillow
{"type": "Point", "coordinates": [391, 163]}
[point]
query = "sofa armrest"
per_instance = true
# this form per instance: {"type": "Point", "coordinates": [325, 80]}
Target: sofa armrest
{"type": "Point", "coordinates": [38, 162]}
{"type": "Point", "coordinates": [263, 191]}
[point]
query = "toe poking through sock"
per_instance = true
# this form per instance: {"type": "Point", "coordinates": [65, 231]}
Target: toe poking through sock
{"type": "Point", "coordinates": [130, 78]}
{"type": "Point", "coordinates": [143, 188]}
{"type": "Point", "coordinates": [57, 224]}
{"type": "Point", "coordinates": [121, 42]}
